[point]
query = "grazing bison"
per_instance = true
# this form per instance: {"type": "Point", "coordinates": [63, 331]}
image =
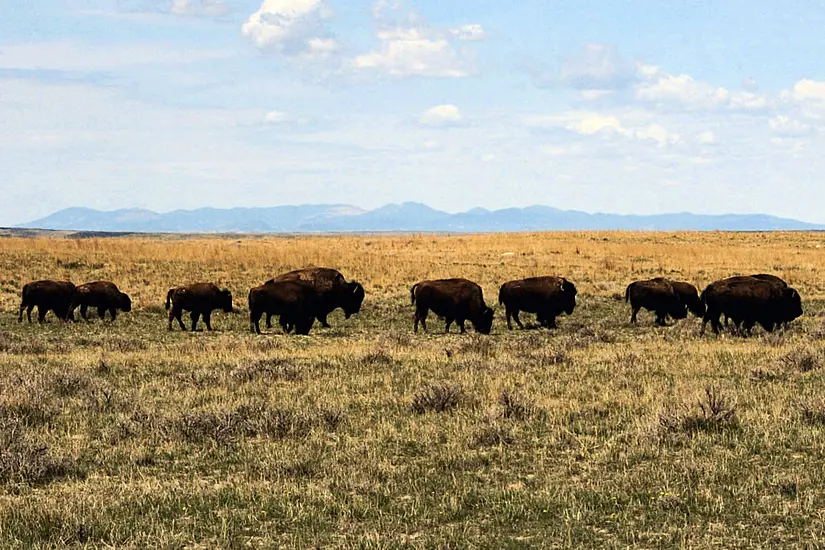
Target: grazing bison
{"type": "Point", "coordinates": [56, 296]}
{"type": "Point", "coordinates": [332, 289]}
{"type": "Point", "coordinates": [689, 296]}
{"type": "Point", "coordinates": [657, 295]}
{"type": "Point", "coordinates": [547, 297]}
{"type": "Point", "coordinates": [773, 279]}
{"type": "Point", "coordinates": [199, 299]}
{"type": "Point", "coordinates": [750, 300]}
{"type": "Point", "coordinates": [295, 301]}
{"type": "Point", "coordinates": [454, 300]}
{"type": "Point", "coordinates": [104, 296]}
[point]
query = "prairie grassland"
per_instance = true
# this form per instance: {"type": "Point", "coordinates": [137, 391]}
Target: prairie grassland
{"type": "Point", "coordinates": [367, 435]}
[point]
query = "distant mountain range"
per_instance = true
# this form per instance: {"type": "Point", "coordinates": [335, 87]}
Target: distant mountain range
{"type": "Point", "coordinates": [409, 216]}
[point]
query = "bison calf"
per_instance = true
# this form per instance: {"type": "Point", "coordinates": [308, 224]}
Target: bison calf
{"type": "Point", "coordinates": [333, 291]}
{"type": "Point", "coordinates": [296, 303]}
{"type": "Point", "coordinates": [454, 300]}
{"type": "Point", "coordinates": [657, 295]}
{"type": "Point", "coordinates": [103, 295]}
{"type": "Point", "coordinates": [547, 297]}
{"type": "Point", "coordinates": [56, 296]}
{"type": "Point", "coordinates": [199, 299]}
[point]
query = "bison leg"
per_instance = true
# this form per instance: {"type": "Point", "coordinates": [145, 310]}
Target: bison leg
{"type": "Point", "coordinates": [460, 324]}
{"type": "Point", "coordinates": [255, 321]}
{"type": "Point", "coordinates": [448, 321]}
{"type": "Point", "coordinates": [268, 320]}
{"type": "Point", "coordinates": [509, 314]}
{"type": "Point", "coordinates": [550, 321]}
{"type": "Point", "coordinates": [101, 312]}
{"type": "Point", "coordinates": [113, 313]}
{"type": "Point", "coordinates": [207, 319]}
{"type": "Point", "coordinates": [420, 317]}
{"type": "Point", "coordinates": [41, 313]}
{"type": "Point", "coordinates": [303, 326]}
{"type": "Point", "coordinates": [518, 321]}
{"type": "Point", "coordinates": [635, 312]}
{"type": "Point", "coordinates": [20, 315]}
{"type": "Point", "coordinates": [194, 316]}
{"type": "Point", "coordinates": [660, 319]}
{"type": "Point", "coordinates": [29, 312]}
{"type": "Point", "coordinates": [322, 318]}
{"type": "Point", "coordinates": [84, 312]}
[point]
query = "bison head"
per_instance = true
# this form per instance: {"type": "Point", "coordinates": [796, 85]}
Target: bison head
{"type": "Point", "coordinates": [226, 301]}
{"type": "Point", "coordinates": [569, 291]}
{"type": "Point", "coordinates": [792, 305]}
{"type": "Point", "coordinates": [353, 298]}
{"type": "Point", "coordinates": [484, 323]}
{"type": "Point", "coordinates": [125, 303]}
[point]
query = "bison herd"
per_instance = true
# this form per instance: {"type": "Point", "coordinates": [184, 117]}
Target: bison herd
{"type": "Point", "coordinates": [300, 297]}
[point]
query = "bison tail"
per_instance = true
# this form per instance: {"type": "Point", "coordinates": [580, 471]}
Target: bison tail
{"type": "Point", "coordinates": [627, 293]}
{"type": "Point", "coordinates": [169, 298]}
{"type": "Point", "coordinates": [412, 293]}
{"type": "Point", "coordinates": [501, 295]}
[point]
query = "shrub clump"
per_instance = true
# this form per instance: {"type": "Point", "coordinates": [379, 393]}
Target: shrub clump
{"type": "Point", "coordinates": [26, 461]}
{"type": "Point", "coordinates": [438, 398]}
{"type": "Point", "coordinates": [716, 412]}
{"type": "Point", "coordinates": [801, 359]}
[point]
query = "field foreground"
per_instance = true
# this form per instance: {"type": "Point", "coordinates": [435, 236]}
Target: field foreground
{"type": "Point", "coordinates": [597, 434]}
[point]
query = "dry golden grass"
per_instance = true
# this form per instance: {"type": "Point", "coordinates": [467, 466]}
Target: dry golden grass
{"type": "Point", "coordinates": [366, 435]}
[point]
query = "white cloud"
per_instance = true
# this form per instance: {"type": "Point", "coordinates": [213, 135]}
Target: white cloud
{"type": "Point", "coordinates": [808, 90]}
{"type": "Point", "coordinates": [607, 126]}
{"type": "Point", "coordinates": [442, 115]}
{"type": "Point", "coordinates": [290, 27]}
{"type": "Point", "coordinates": [594, 95]}
{"type": "Point", "coordinates": [706, 138]}
{"type": "Point", "coordinates": [199, 7]}
{"type": "Point", "coordinates": [683, 91]}
{"type": "Point", "coordinates": [788, 127]}
{"type": "Point", "coordinates": [469, 33]}
{"type": "Point", "coordinates": [409, 52]}
{"type": "Point", "coordinates": [597, 66]}
{"type": "Point", "coordinates": [278, 117]}
{"type": "Point", "coordinates": [409, 47]}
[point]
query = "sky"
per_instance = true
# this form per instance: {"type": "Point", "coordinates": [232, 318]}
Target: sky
{"type": "Point", "coordinates": [621, 106]}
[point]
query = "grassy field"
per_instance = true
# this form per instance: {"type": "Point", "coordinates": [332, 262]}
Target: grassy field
{"type": "Point", "coordinates": [597, 434]}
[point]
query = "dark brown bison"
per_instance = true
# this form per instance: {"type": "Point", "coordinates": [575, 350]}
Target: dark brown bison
{"type": "Point", "coordinates": [547, 297]}
{"type": "Point", "coordinates": [773, 279]}
{"type": "Point", "coordinates": [750, 300]}
{"type": "Point", "coordinates": [104, 296]}
{"type": "Point", "coordinates": [689, 295]}
{"type": "Point", "coordinates": [295, 301]}
{"type": "Point", "coordinates": [199, 299]}
{"type": "Point", "coordinates": [454, 300]}
{"type": "Point", "coordinates": [332, 289]}
{"type": "Point", "coordinates": [56, 296]}
{"type": "Point", "coordinates": [657, 295]}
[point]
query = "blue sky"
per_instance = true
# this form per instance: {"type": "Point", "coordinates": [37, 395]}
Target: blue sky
{"type": "Point", "coordinates": [612, 106]}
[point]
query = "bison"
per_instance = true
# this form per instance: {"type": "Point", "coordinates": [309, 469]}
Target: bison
{"type": "Point", "coordinates": [657, 295]}
{"type": "Point", "coordinates": [749, 300]}
{"type": "Point", "coordinates": [295, 301]}
{"type": "Point", "coordinates": [103, 295]}
{"type": "Point", "coordinates": [547, 297]}
{"type": "Point", "coordinates": [56, 296]}
{"type": "Point", "coordinates": [454, 300]}
{"type": "Point", "coordinates": [773, 279]}
{"type": "Point", "coordinates": [199, 299]}
{"type": "Point", "coordinates": [332, 289]}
